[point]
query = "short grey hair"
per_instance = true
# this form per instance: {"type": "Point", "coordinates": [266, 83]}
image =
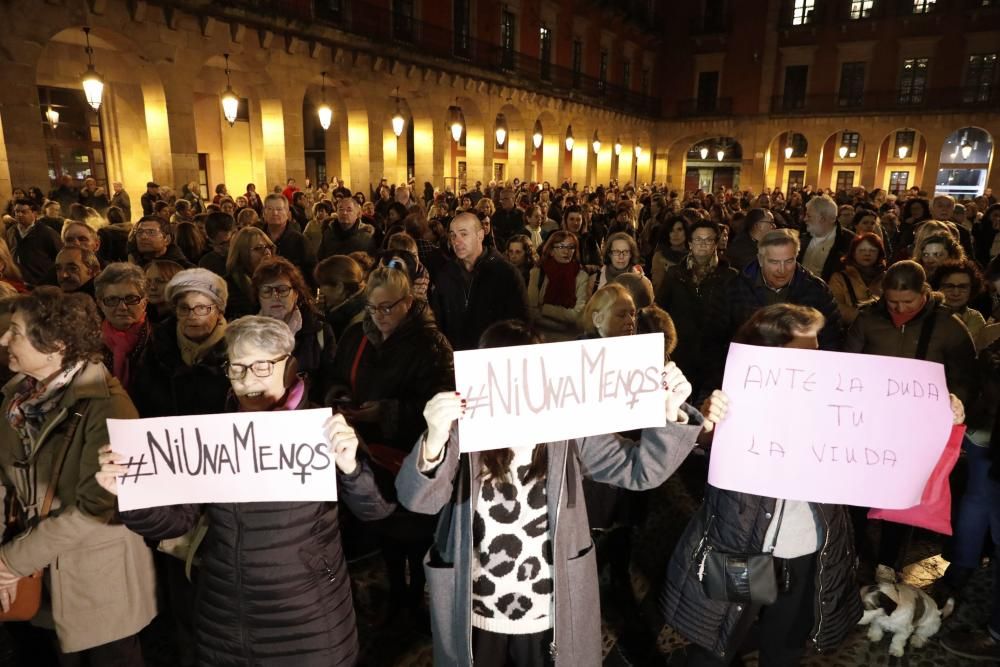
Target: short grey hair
{"type": "Point", "coordinates": [778, 237]}
{"type": "Point", "coordinates": [266, 333]}
{"type": "Point", "coordinates": [117, 273]}
{"type": "Point", "coordinates": [825, 207]}
{"type": "Point", "coordinates": [72, 223]}
{"type": "Point", "coordinates": [277, 196]}
{"type": "Point", "coordinates": [86, 256]}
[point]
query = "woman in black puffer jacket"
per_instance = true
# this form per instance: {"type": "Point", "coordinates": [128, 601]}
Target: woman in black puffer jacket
{"type": "Point", "coordinates": [386, 369]}
{"type": "Point", "coordinates": [273, 587]}
{"type": "Point", "coordinates": [812, 542]}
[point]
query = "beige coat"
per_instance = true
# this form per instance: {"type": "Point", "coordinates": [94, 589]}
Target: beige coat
{"type": "Point", "coordinates": [100, 575]}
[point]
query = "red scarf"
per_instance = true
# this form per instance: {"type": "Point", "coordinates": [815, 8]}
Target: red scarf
{"type": "Point", "coordinates": [561, 290]}
{"type": "Point", "coordinates": [121, 344]}
{"type": "Point", "coordinates": [899, 319]}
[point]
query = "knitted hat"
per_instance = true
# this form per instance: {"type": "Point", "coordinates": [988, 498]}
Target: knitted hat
{"type": "Point", "coordinates": [203, 281]}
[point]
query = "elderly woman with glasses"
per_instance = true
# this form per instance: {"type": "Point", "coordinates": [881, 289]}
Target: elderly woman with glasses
{"type": "Point", "coordinates": [273, 586]}
{"type": "Point", "coordinates": [247, 249]}
{"type": "Point", "coordinates": [557, 288]}
{"type": "Point", "coordinates": [282, 294]}
{"type": "Point", "coordinates": [386, 368]}
{"type": "Point", "coordinates": [121, 297]}
{"type": "Point", "coordinates": [180, 372]}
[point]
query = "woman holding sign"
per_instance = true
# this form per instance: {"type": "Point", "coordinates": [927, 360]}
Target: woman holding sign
{"type": "Point", "coordinates": [98, 576]}
{"type": "Point", "coordinates": [912, 322]}
{"type": "Point", "coordinates": [513, 574]}
{"type": "Point", "coordinates": [811, 545]}
{"type": "Point", "coordinates": [273, 587]}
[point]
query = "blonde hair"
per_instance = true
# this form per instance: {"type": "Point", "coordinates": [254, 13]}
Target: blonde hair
{"type": "Point", "coordinates": [239, 248]}
{"type": "Point", "coordinates": [603, 298]}
{"type": "Point", "coordinates": [10, 268]}
{"type": "Point", "coordinates": [393, 279]}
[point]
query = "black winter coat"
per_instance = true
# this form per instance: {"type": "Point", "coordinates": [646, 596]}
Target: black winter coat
{"type": "Point", "coordinates": [314, 352]}
{"type": "Point", "coordinates": [402, 373]}
{"type": "Point", "coordinates": [841, 246]}
{"type": "Point", "coordinates": [164, 386]}
{"type": "Point", "coordinates": [746, 295]}
{"type": "Point", "coordinates": [272, 585]}
{"type": "Point", "coordinates": [739, 522]}
{"type": "Point", "coordinates": [688, 303]}
{"type": "Point", "coordinates": [464, 311]}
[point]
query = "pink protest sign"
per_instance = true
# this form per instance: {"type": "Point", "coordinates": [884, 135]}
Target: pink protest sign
{"type": "Point", "coordinates": [830, 427]}
{"type": "Point", "coordinates": [240, 457]}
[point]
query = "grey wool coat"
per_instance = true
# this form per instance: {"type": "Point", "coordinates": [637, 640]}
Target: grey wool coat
{"type": "Point", "coordinates": [453, 489]}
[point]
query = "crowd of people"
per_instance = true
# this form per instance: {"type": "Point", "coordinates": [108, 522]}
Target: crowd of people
{"type": "Point", "coordinates": [324, 297]}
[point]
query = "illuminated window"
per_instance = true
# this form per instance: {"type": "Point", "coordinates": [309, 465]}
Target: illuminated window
{"type": "Point", "coordinates": [861, 9]}
{"type": "Point", "coordinates": [803, 12]}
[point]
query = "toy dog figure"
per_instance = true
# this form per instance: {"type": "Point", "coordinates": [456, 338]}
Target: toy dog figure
{"type": "Point", "coordinates": [906, 612]}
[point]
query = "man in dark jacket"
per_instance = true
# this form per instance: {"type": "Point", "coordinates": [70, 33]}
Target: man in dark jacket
{"type": "Point", "coordinates": [94, 196]}
{"type": "Point", "coordinates": [121, 199]}
{"type": "Point", "coordinates": [150, 197]}
{"type": "Point", "coordinates": [33, 244]}
{"type": "Point", "coordinates": [824, 242]}
{"type": "Point", "coordinates": [774, 277]}
{"type": "Point", "coordinates": [475, 289]}
{"type": "Point", "coordinates": [289, 243]}
{"type": "Point", "coordinates": [65, 194]}
{"type": "Point", "coordinates": [154, 240]}
{"type": "Point", "coordinates": [508, 219]}
{"type": "Point", "coordinates": [346, 235]}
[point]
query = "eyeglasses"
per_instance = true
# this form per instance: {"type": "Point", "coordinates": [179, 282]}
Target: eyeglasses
{"type": "Point", "coordinates": [261, 248]}
{"type": "Point", "coordinates": [115, 301]}
{"type": "Point", "coordinates": [619, 253]}
{"type": "Point", "coordinates": [956, 286]}
{"type": "Point", "coordinates": [148, 232]}
{"type": "Point", "coordinates": [201, 310]}
{"type": "Point", "coordinates": [697, 241]}
{"type": "Point", "coordinates": [371, 309]}
{"type": "Point", "coordinates": [262, 369]}
{"type": "Point", "coordinates": [564, 246]}
{"type": "Point", "coordinates": [267, 291]}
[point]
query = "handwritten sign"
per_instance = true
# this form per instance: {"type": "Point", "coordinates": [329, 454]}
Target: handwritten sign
{"type": "Point", "coordinates": [232, 458]}
{"type": "Point", "coordinates": [541, 393]}
{"type": "Point", "coordinates": [830, 427]}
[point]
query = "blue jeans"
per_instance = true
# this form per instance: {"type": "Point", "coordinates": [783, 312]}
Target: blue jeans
{"type": "Point", "coordinates": [978, 511]}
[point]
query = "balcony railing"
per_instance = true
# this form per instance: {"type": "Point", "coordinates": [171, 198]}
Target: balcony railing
{"type": "Point", "coordinates": [386, 28]}
{"type": "Point", "coordinates": [692, 108]}
{"type": "Point", "coordinates": [932, 99]}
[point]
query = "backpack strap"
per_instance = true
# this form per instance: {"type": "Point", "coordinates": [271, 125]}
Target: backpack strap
{"type": "Point", "coordinates": [926, 331]}
{"type": "Point", "coordinates": [57, 465]}
{"type": "Point", "coordinates": [850, 288]}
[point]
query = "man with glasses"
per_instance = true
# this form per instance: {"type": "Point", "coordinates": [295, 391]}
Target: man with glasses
{"type": "Point", "coordinates": [219, 229]}
{"type": "Point", "coordinates": [33, 244]}
{"type": "Point", "coordinates": [154, 240]}
{"type": "Point", "coordinates": [476, 288]}
{"type": "Point", "coordinates": [289, 242]}
{"type": "Point", "coordinates": [76, 269]}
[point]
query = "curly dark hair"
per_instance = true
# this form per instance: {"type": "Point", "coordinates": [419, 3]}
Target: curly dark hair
{"type": "Point", "coordinates": [61, 322]}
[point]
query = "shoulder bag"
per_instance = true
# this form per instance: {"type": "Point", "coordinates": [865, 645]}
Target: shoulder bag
{"type": "Point", "coordinates": [29, 589]}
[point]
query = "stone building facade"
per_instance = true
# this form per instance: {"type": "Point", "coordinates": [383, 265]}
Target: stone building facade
{"type": "Point", "coordinates": [654, 83]}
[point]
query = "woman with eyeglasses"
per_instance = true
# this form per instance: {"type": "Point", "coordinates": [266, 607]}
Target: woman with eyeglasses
{"type": "Point", "coordinates": [960, 281]}
{"type": "Point", "coordinates": [621, 255]}
{"type": "Point", "coordinates": [557, 288]}
{"type": "Point", "coordinates": [688, 291]}
{"type": "Point", "coordinates": [272, 585]}
{"type": "Point", "coordinates": [283, 294]}
{"type": "Point", "coordinates": [386, 368]}
{"type": "Point", "coordinates": [247, 249]}
{"type": "Point", "coordinates": [180, 372]}
{"type": "Point", "coordinates": [120, 290]}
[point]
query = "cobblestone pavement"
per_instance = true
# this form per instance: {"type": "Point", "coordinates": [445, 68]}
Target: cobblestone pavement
{"type": "Point", "coordinates": [670, 507]}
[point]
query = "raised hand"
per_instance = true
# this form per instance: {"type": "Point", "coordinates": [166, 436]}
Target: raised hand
{"type": "Point", "coordinates": [343, 443]}
{"type": "Point", "coordinates": [111, 469]}
{"type": "Point", "coordinates": [677, 387]}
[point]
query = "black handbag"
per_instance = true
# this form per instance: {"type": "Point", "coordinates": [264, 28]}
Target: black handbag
{"type": "Point", "coordinates": [735, 577]}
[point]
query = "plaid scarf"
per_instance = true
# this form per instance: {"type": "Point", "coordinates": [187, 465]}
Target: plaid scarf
{"type": "Point", "coordinates": [34, 399]}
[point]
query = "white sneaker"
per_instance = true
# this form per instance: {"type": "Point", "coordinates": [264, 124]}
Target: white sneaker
{"type": "Point", "coordinates": [885, 575]}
